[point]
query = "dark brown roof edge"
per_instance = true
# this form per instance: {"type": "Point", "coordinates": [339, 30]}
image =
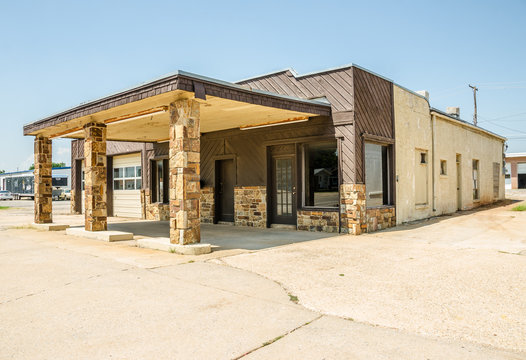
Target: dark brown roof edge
{"type": "Point", "coordinates": [183, 81]}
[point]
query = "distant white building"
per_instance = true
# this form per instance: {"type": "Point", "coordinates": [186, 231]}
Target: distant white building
{"type": "Point", "coordinates": [22, 182]}
{"type": "Point", "coordinates": [516, 171]}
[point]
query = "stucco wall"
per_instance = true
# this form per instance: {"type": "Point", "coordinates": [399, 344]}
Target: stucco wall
{"type": "Point", "coordinates": [412, 133]}
{"type": "Point", "coordinates": [443, 138]}
{"type": "Point", "coordinates": [452, 139]}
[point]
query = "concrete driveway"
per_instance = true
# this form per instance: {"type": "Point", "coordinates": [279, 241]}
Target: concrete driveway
{"type": "Point", "coordinates": [412, 293]}
{"type": "Point", "coordinates": [460, 277]}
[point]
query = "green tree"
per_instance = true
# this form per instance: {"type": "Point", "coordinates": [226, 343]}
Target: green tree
{"type": "Point", "coordinates": [54, 165]}
{"type": "Point", "coordinates": [2, 171]}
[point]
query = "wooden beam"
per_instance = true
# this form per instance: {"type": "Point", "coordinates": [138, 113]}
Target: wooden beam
{"type": "Point", "coordinates": [274, 123]}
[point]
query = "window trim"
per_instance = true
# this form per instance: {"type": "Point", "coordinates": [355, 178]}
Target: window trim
{"type": "Point", "coordinates": [475, 199]}
{"type": "Point", "coordinates": [301, 206]}
{"type": "Point", "coordinates": [154, 181]}
{"type": "Point", "coordinates": [423, 205]}
{"type": "Point", "coordinates": [123, 178]}
{"type": "Point", "coordinates": [389, 169]}
{"type": "Point", "coordinates": [445, 173]}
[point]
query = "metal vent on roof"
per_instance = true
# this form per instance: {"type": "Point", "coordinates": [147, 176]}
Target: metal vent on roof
{"type": "Point", "coordinates": [424, 93]}
{"type": "Point", "coordinates": [453, 111]}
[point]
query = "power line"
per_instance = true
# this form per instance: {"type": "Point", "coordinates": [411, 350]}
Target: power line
{"type": "Point", "coordinates": [503, 117]}
{"type": "Point", "coordinates": [508, 128]}
{"type": "Point", "coordinates": [503, 83]}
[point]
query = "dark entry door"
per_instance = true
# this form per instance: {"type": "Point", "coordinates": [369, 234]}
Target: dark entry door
{"type": "Point", "coordinates": [283, 190]}
{"type": "Point", "coordinates": [225, 180]}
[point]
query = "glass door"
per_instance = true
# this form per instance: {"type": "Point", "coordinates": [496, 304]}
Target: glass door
{"type": "Point", "coordinates": [283, 190]}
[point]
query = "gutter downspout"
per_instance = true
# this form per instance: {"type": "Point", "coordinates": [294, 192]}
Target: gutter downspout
{"type": "Point", "coordinates": [433, 124]}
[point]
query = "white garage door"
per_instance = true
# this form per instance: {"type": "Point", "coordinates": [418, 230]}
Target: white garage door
{"type": "Point", "coordinates": [127, 184]}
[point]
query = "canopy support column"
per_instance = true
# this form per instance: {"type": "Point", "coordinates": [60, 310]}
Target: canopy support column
{"type": "Point", "coordinates": [95, 211]}
{"type": "Point", "coordinates": [43, 185]}
{"type": "Point", "coordinates": [185, 227]}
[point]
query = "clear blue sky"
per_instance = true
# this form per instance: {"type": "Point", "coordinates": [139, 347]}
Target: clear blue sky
{"type": "Point", "coordinates": [56, 54]}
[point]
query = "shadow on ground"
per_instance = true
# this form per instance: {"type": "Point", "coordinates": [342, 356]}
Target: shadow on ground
{"type": "Point", "coordinates": [224, 237]}
{"type": "Point", "coordinates": [437, 219]}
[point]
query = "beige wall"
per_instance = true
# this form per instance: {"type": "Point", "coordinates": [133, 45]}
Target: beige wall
{"type": "Point", "coordinates": [412, 135]}
{"type": "Point", "coordinates": [415, 130]}
{"type": "Point", "coordinates": [451, 139]}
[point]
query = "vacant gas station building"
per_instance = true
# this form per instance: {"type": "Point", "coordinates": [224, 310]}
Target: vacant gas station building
{"type": "Point", "coordinates": [342, 150]}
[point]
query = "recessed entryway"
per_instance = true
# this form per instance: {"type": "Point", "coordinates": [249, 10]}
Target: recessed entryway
{"type": "Point", "coordinates": [225, 172]}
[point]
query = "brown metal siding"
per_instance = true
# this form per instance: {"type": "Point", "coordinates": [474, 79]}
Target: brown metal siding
{"type": "Point", "coordinates": [338, 87]}
{"type": "Point", "coordinates": [373, 113]}
{"type": "Point", "coordinates": [249, 148]}
{"type": "Point", "coordinates": [112, 148]}
{"type": "Point", "coordinates": [347, 162]}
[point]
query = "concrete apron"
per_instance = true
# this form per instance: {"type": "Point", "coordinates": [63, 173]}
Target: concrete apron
{"type": "Point", "coordinates": [49, 227]}
{"type": "Point", "coordinates": [162, 244]}
{"type": "Point", "coordinates": [155, 235]}
{"type": "Point", "coordinates": [107, 235]}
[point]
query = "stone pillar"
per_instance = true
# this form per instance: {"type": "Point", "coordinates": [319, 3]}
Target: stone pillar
{"type": "Point", "coordinates": [42, 184]}
{"type": "Point", "coordinates": [353, 209]}
{"type": "Point", "coordinates": [184, 172]}
{"type": "Point", "coordinates": [95, 177]}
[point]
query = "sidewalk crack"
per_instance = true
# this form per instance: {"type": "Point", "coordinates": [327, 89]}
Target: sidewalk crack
{"type": "Point", "coordinates": [277, 338]}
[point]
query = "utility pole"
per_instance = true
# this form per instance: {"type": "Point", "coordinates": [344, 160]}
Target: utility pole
{"type": "Point", "coordinates": [475, 89]}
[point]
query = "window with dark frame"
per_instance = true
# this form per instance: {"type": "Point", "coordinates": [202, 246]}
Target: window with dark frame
{"type": "Point", "coordinates": [320, 174]}
{"type": "Point", "coordinates": [159, 181]}
{"type": "Point", "coordinates": [423, 158]}
{"type": "Point", "coordinates": [377, 174]}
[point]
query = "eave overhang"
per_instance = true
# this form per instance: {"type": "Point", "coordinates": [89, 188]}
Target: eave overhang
{"type": "Point", "coordinates": [181, 85]}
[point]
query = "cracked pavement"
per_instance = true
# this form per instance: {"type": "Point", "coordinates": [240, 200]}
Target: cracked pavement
{"type": "Point", "coordinates": [388, 295]}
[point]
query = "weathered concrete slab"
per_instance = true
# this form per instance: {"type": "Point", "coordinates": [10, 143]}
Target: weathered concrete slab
{"type": "Point", "coordinates": [164, 244]}
{"type": "Point", "coordinates": [442, 278]}
{"type": "Point", "coordinates": [96, 308]}
{"type": "Point", "coordinates": [109, 236]}
{"type": "Point", "coordinates": [49, 227]}
{"type": "Point", "coordinates": [335, 338]}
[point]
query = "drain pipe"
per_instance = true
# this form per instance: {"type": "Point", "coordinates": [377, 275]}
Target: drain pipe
{"type": "Point", "coordinates": [433, 124]}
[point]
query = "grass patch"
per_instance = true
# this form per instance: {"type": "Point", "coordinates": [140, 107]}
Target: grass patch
{"type": "Point", "coordinates": [293, 298]}
{"type": "Point", "coordinates": [521, 207]}
{"type": "Point", "coordinates": [4, 207]}
{"type": "Point", "coordinates": [266, 343]}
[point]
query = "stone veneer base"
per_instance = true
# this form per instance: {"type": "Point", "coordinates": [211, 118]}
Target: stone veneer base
{"type": "Point", "coordinates": [318, 220]}
{"type": "Point", "coordinates": [250, 206]}
{"type": "Point", "coordinates": [380, 218]}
